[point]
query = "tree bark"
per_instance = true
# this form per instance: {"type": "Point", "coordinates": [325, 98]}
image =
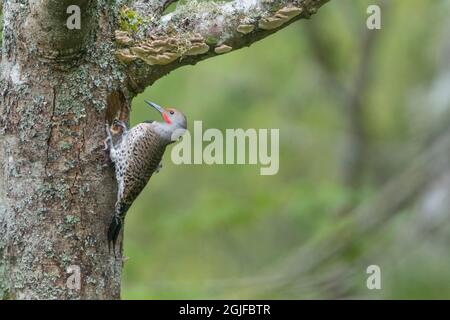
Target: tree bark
{"type": "Point", "coordinates": [58, 87]}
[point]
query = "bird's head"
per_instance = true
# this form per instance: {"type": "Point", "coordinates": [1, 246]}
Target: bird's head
{"type": "Point", "coordinates": [175, 122]}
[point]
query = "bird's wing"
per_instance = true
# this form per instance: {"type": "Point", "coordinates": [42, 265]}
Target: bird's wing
{"type": "Point", "coordinates": [144, 153]}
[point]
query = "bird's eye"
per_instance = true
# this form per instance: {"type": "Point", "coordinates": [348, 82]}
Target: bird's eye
{"type": "Point", "coordinates": [171, 112]}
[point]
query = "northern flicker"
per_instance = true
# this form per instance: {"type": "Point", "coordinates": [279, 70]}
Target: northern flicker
{"type": "Point", "coordinates": [137, 155]}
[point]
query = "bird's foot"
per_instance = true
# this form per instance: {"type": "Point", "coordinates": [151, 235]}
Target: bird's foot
{"type": "Point", "coordinates": [106, 143]}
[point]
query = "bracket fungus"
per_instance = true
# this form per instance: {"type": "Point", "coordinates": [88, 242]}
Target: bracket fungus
{"type": "Point", "coordinates": [245, 28]}
{"type": "Point", "coordinates": [157, 50]}
{"type": "Point", "coordinates": [125, 55]}
{"type": "Point", "coordinates": [197, 46]}
{"type": "Point", "coordinates": [279, 18]}
{"type": "Point", "coordinates": [222, 49]}
{"type": "Point", "coordinates": [122, 38]}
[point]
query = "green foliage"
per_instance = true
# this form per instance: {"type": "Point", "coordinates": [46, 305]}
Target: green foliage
{"type": "Point", "coordinates": [130, 20]}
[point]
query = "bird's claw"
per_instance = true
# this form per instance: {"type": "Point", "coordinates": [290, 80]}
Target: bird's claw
{"type": "Point", "coordinates": [105, 142]}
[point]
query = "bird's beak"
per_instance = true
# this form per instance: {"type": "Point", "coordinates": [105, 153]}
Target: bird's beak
{"type": "Point", "coordinates": [154, 105]}
{"type": "Point", "coordinates": [160, 109]}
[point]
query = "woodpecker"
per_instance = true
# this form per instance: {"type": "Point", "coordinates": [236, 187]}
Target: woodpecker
{"type": "Point", "coordinates": [137, 155]}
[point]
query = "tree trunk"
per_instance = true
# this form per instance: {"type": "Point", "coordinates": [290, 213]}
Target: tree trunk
{"type": "Point", "coordinates": [57, 188]}
{"type": "Point", "coordinates": [58, 88]}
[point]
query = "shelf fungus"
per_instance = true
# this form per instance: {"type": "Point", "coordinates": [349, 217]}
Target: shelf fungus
{"type": "Point", "coordinates": [245, 28]}
{"type": "Point", "coordinates": [279, 18]}
{"type": "Point", "coordinates": [222, 49]}
{"type": "Point", "coordinates": [122, 38]}
{"type": "Point", "coordinates": [157, 51]}
{"type": "Point", "coordinates": [161, 50]}
{"type": "Point", "coordinates": [197, 46]}
{"type": "Point", "coordinates": [125, 55]}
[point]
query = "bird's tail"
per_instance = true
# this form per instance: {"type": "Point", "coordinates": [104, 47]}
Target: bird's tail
{"type": "Point", "coordinates": [113, 232]}
{"type": "Point", "coordinates": [116, 226]}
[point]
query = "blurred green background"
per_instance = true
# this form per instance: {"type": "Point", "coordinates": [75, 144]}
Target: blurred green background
{"type": "Point", "coordinates": [358, 113]}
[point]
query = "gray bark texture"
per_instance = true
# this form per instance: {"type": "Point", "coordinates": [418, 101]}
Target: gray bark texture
{"type": "Point", "coordinates": [58, 87]}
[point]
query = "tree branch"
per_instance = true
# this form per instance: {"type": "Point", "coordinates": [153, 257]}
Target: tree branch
{"type": "Point", "coordinates": [151, 7]}
{"type": "Point", "coordinates": [199, 30]}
